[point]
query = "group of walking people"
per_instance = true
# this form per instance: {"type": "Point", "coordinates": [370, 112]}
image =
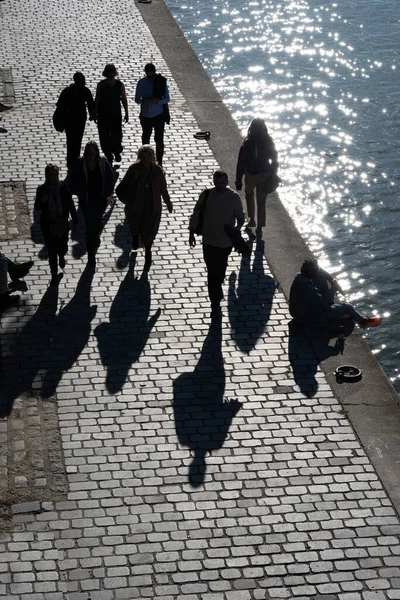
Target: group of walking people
{"type": "Point", "coordinates": [76, 102]}
{"type": "Point", "coordinates": [143, 189]}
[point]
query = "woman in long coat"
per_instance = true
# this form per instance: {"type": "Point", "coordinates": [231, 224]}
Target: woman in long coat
{"type": "Point", "coordinates": [92, 180]}
{"type": "Point", "coordinates": [141, 190]}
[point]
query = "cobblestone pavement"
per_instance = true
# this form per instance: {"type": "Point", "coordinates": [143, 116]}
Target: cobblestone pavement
{"type": "Point", "coordinates": [177, 461]}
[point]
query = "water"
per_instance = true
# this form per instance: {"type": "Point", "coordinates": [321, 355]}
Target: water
{"type": "Point", "coordinates": [326, 79]}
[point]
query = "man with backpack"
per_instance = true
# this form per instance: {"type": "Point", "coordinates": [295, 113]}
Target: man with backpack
{"type": "Point", "coordinates": [71, 115]}
{"type": "Point", "coordinates": [153, 96]}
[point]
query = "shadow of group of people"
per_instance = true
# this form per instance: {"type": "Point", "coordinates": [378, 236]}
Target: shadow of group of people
{"type": "Point", "coordinates": [51, 342]}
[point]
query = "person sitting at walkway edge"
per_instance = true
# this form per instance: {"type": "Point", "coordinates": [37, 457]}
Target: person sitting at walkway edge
{"type": "Point", "coordinates": [311, 300]}
{"type": "Point", "coordinates": [215, 208]}
{"type": "Point", "coordinates": [152, 94]}
{"type": "Point", "coordinates": [16, 272]}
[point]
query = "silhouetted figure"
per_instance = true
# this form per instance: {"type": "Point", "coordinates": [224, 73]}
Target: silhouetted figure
{"type": "Point", "coordinates": [92, 180]}
{"type": "Point", "coordinates": [75, 102]}
{"type": "Point", "coordinates": [122, 340]}
{"type": "Point", "coordinates": [215, 208]}
{"type": "Point", "coordinates": [202, 416]}
{"type": "Point", "coordinates": [153, 96]}
{"type": "Point", "coordinates": [311, 300]}
{"type": "Point", "coordinates": [54, 202]}
{"type": "Point", "coordinates": [250, 300]}
{"type": "Point", "coordinates": [110, 94]}
{"type": "Point", "coordinates": [141, 190]}
{"type": "Point", "coordinates": [257, 161]}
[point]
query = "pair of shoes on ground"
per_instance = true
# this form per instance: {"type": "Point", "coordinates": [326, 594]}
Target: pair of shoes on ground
{"type": "Point", "coordinates": [371, 322]}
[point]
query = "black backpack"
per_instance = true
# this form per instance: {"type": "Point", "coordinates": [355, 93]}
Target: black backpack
{"type": "Point", "coordinates": [59, 115]}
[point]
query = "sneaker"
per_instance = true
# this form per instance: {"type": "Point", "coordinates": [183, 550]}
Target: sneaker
{"type": "Point", "coordinates": [3, 107]}
{"type": "Point", "coordinates": [371, 322]}
{"type": "Point", "coordinates": [61, 262]}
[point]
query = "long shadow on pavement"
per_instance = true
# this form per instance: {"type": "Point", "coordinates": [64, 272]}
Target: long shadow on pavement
{"type": "Point", "coordinates": [70, 333]}
{"type": "Point", "coordinates": [250, 301]}
{"type": "Point", "coordinates": [202, 418]}
{"type": "Point", "coordinates": [123, 240]}
{"type": "Point", "coordinates": [307, 349]}
{"type": "Point", "coordinates": [29, 353]}
{"type": "Point", "coordinates": [122, 340]}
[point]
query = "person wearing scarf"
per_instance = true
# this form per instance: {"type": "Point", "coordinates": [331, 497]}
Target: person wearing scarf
{"type": "Point", "coordinates": [54, 202]}
{"type": "Point", "coordinates": [92, 180]}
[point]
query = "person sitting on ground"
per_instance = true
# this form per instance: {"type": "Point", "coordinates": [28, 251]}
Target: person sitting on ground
{"type": "Point", "coordinates": [311, 300]}
{"type": "Point", "coordinates": [16, 272]}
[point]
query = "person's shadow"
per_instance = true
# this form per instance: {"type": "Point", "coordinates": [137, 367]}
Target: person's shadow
{"type": "Point", "coordinates": [70, 333]}
{"type": "Point", "coordinates": [25, 355]}
{"type": "Point", "coordinates": [202, 416]}
{"type": "Point", "coordinates": [250, 300]}
{"type": "Point", "coordinates": [122, 340]}
{"type": "Point", "coordinates": [308, 347]}
{"type": "Point", "coordinates": [123, 240]}
{"type": "Point", "coordinates": [37, 236]}
{"type": "Point", "coordinates": [78, 236]}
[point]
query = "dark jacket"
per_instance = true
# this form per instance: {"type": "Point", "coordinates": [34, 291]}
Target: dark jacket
{"type": "Point", "coordinates": [77, 181]}
{"type": "Point", "coordinates": [256, 158]}
{"type": "Point", "coordinates": [131, 190]}
{"type": "Point", "coordinates": [47, 223]}
{"type": "Point", "coordinates": [306, 303]}
{"type": "Point", "coordinates": [74, 100]}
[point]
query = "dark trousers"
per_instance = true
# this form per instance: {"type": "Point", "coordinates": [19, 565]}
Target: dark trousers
{"type": "Point", "coordinates": [56, 247]}
{"type": "Point", "coordinates": [157, 123]}
{"type": "Point", "coordinates": [74, 142]}
{"type": "Point", "coordinates": [92, 244]}
{"type": "Point", "coordinates": [216, 260]}
{"type": "Point", "coordinates": [110, 134]}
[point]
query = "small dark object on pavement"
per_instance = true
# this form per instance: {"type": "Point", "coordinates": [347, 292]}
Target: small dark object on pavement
{"type": "Point", "coordinates": [202, 135]}
{"type": "Point", "coordinates": [348, 374]}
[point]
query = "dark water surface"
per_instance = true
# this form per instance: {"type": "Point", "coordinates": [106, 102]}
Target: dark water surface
{"type": "Point", "coordinates": [326, 78]}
